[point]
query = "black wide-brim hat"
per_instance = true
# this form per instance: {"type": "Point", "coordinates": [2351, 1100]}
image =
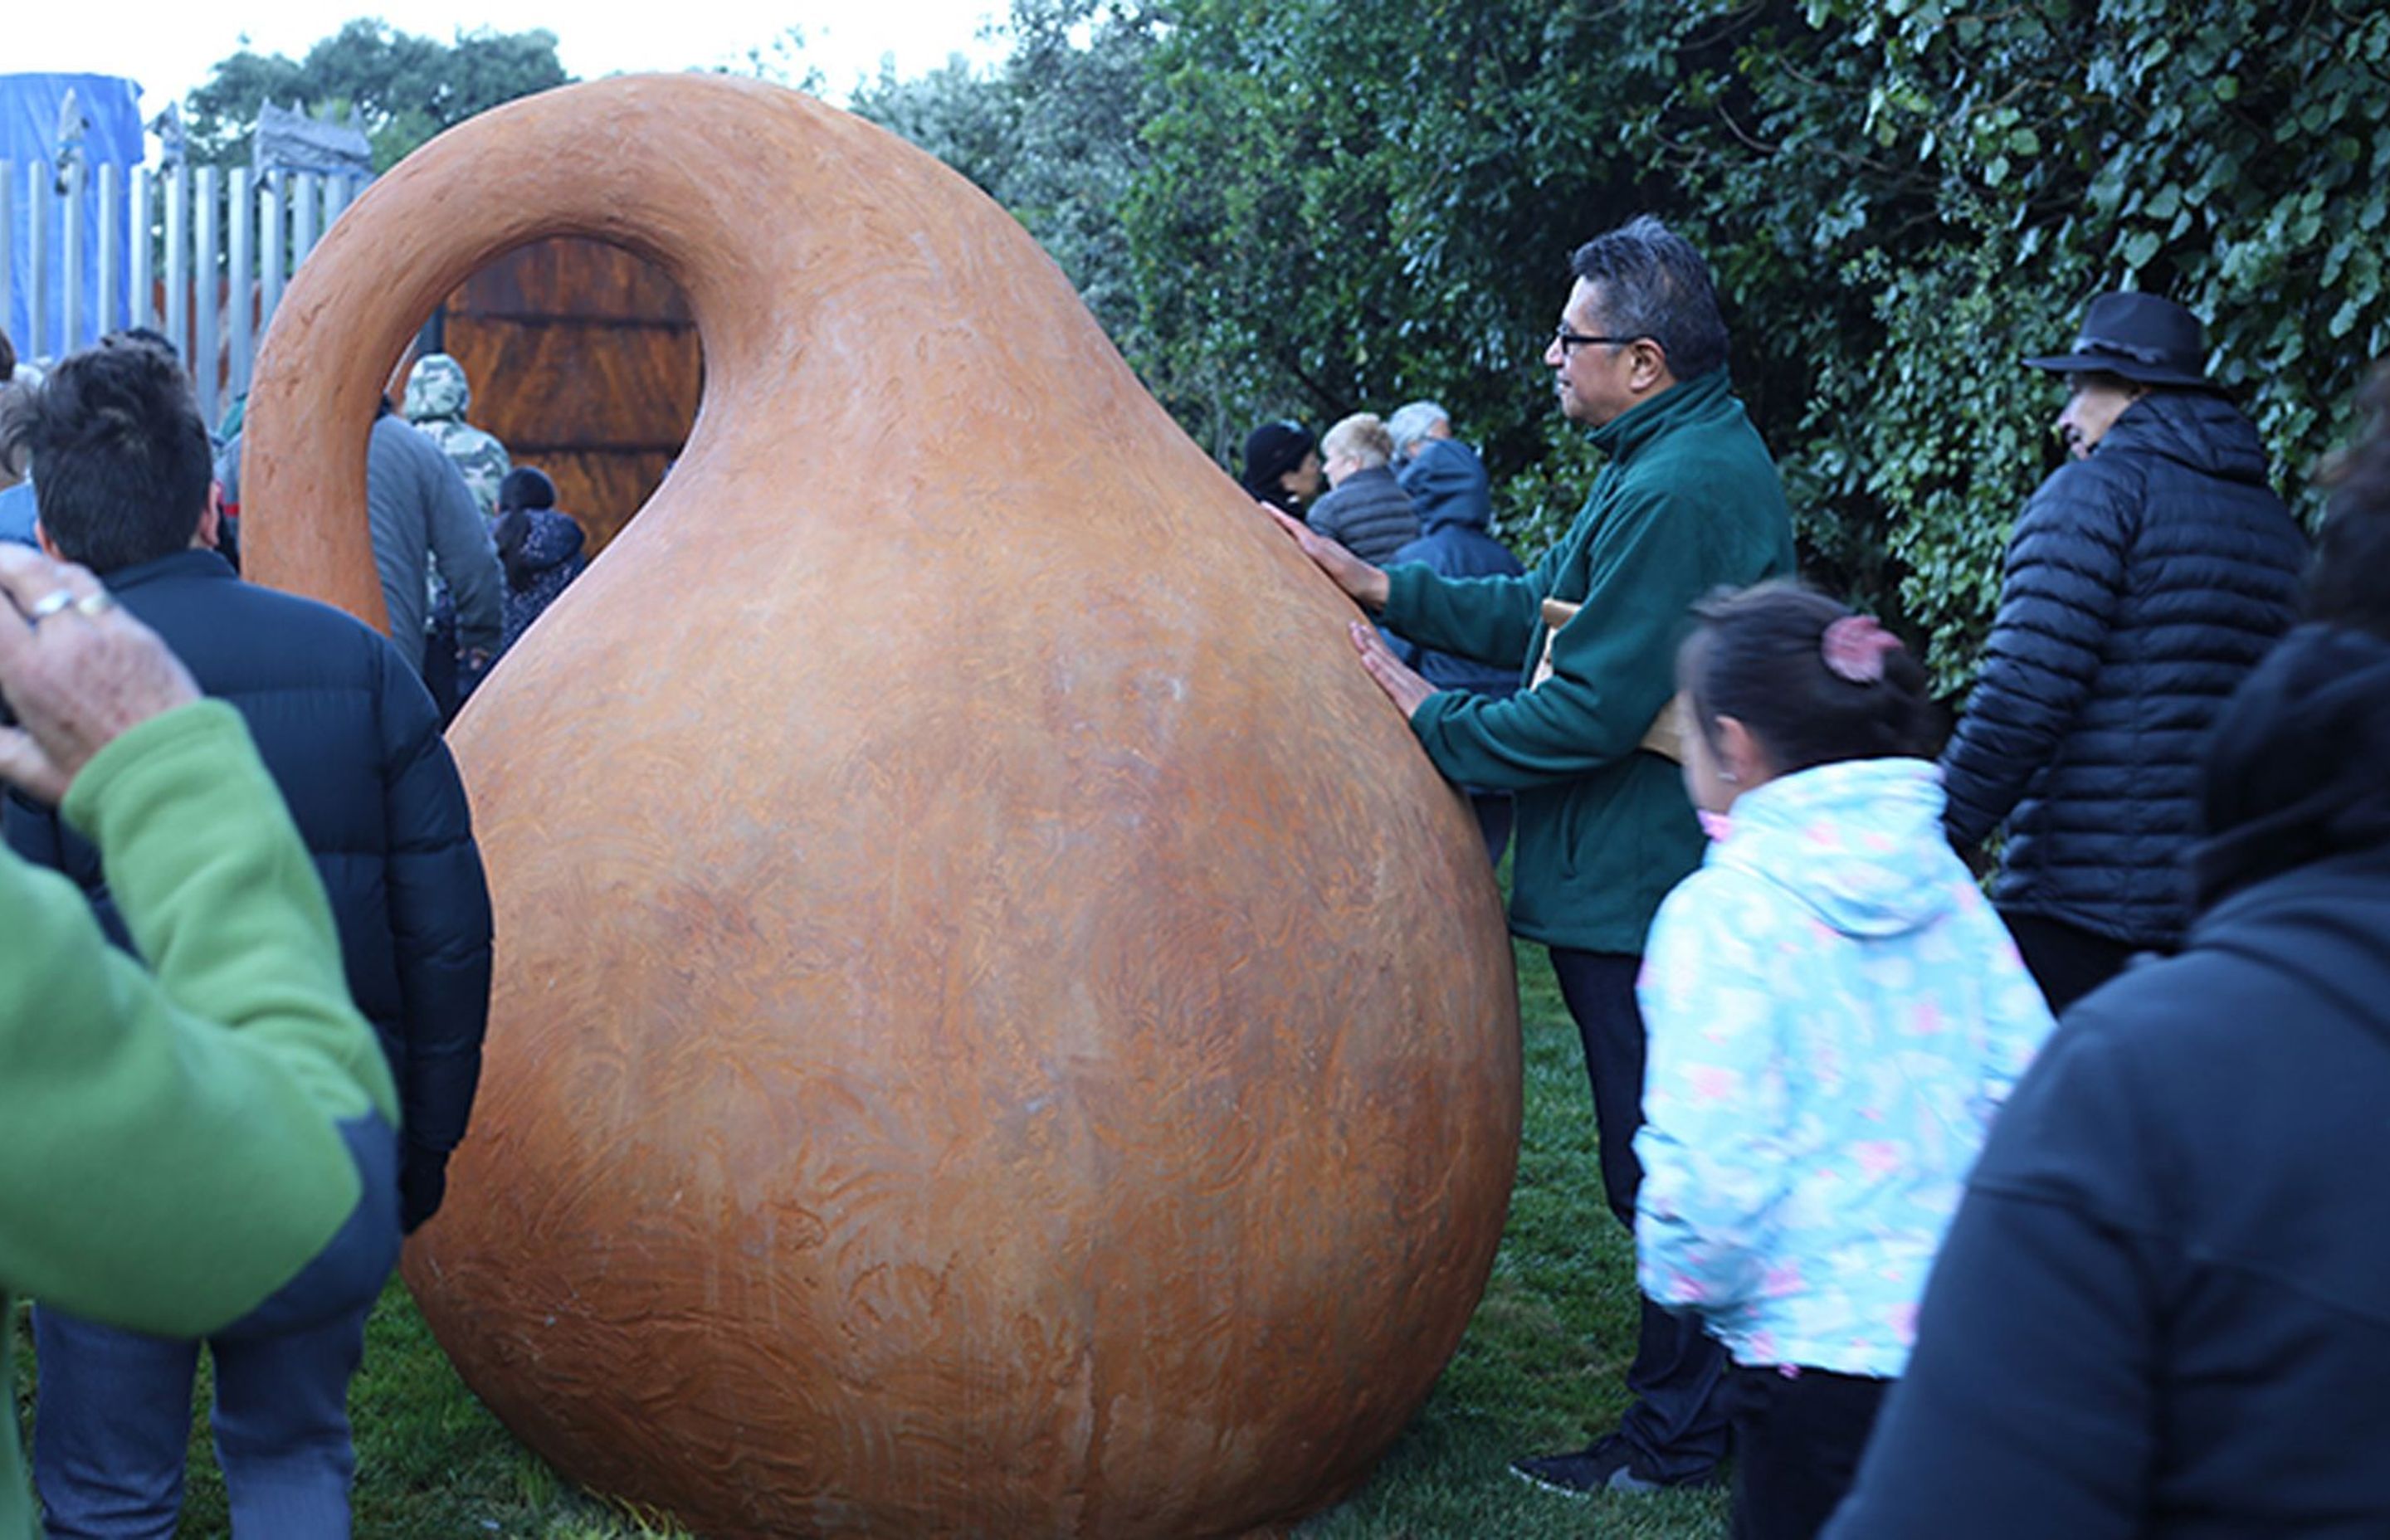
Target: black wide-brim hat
{"type": "Point", "coordinates": [2142, 337]}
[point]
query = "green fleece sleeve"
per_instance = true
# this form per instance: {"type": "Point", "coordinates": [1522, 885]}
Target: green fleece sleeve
{"type": "Point", "coordinates": [170, 1144]}
{"type": "Point", "coordinates": [1613, 665]}
{"type": "Point", "coordinates": [1490, 619]}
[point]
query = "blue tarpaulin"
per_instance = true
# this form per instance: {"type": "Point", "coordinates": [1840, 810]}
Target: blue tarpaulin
{"type": "Point", "coordinates": [104, 130]}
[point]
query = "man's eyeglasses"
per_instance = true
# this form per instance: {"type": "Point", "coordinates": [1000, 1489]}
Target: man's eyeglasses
{"type": "Point", "coordinates": [1570, 341]}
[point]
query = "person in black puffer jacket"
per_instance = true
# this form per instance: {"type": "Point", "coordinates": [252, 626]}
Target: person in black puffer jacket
{"type": "Point", "coordinates": [2164, 1306]}
{"type": "Point", "coordinates": [2144, 581]}
{"type": "Point", "coordinates": [352, 738]}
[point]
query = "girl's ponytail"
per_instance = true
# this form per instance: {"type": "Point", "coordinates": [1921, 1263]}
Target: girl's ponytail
{"type": "Point", "coordinates": [1812, 682]}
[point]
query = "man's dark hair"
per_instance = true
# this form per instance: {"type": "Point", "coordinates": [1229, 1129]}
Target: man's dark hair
{"type": "Point", "coordinates": [1759, 656]}
{"type": "Point", "coordinates": [1654, 284]}
{"type": "Point", "coordinates": [142, 337]}
{"type": "Point", "coordinates": [2349, 583]}
{"type": "Point", "coordinates": [120, 459]}
{"type": "Point", "coordinates": [7, 357]}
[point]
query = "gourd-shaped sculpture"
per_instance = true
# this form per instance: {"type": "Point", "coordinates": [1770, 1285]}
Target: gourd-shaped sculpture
{"type": "Point", "coordinates": [998, 1029]}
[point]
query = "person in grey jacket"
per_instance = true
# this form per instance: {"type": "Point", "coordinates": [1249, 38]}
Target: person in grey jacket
{"type": "Point", "coordinates": [1364, 511]}
{"type": "Point", "coordinates": [2145, 579]}
{"type": "Point", "coordinates": [422, 513]}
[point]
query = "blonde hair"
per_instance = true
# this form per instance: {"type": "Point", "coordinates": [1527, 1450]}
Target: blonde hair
{"type": "Point", "coordinates": [1363, 437]}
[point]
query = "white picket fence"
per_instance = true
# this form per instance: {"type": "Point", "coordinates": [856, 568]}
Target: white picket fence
{"type": "Point", "coordinates": [199, 253]}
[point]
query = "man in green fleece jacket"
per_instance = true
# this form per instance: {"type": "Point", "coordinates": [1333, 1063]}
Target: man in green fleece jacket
{"type": "Point", "coordinates": [1687, 500]}
{"type": "Point", "coordinates": [208, 1145]}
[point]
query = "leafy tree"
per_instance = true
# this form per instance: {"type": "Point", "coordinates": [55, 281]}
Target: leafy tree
{"type": "Point", "coordinates": [968, 120]}
{"type": "Point", "coordinates": [407, 88]}
{"type": "Point", "coordinates": [782, 62]}
{"type": "Point", "coordinates": [1346, 204]}
{"type": "Point", "coordinates": [1054, 135]}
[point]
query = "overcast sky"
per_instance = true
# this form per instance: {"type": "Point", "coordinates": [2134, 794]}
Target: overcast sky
{"type": "Point", "coordinates": [170, 47]}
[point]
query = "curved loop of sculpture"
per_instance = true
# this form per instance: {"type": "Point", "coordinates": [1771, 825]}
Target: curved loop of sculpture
{"type": "Point", "coordinates": [998, 1029]}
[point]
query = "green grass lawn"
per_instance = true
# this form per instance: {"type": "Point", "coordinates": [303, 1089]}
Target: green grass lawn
{"type": "Point", "coordinates": [1539, 1370]}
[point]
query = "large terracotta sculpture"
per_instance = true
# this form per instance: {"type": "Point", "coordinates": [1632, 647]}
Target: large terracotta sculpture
{"type": "Point", "coordinates": [998, 1031]}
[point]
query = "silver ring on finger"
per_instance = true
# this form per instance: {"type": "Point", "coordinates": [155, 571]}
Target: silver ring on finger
{"type": "Point", "coordinates": [99, 602]}
{"type": "Point", "coordinates": [49, 604]}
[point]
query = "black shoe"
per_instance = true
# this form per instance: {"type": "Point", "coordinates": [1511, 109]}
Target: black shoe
{"type": "Point", "coordinates": [1608, 1464]}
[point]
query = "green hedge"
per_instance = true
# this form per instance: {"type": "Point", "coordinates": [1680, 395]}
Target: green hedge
{"type": "Point", "coordinates": [1310, 207]}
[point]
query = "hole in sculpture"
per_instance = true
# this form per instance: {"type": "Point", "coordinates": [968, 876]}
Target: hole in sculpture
{"type": "Point", "coordinates": [583, 361]}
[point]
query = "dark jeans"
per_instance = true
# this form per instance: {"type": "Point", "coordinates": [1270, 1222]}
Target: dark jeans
{"type": "Point", "coordinates": [1494, 812]}
{"type": "Point", "coordinates": [112, 1424]}
{"type": "Point", "coordinates": [1675, 1424]}
{"type": "Point", "coordinates": [1797, 1441]}
{"type": "Point", "coordinates": [2067, 961]}
{"type": "Point", "coordinates": [440, 671]}
{"type": "Point", "coordinates": [446, 674]}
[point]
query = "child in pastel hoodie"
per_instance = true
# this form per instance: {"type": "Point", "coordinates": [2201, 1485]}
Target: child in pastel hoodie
{"type": "Point", "coordinates": [1834, 1014]}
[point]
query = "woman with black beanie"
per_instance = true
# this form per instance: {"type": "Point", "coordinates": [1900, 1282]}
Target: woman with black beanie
{"type": "Point", "coordinates": [1282, 466]}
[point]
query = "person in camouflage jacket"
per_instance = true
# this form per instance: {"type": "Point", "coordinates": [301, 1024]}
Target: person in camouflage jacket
{"type": "Point", "coordinates": [437, 396]}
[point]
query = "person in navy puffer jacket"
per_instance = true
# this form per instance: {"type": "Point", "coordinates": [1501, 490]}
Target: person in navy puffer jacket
{"type": "Point", "coordinates": [1449, 491]}
{"type": "Point", "coordinates": [2144, 581]}
{"type": "Point", "coordinates": [351, 740]}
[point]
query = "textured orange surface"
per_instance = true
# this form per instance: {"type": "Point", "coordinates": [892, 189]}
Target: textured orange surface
{"type": "Point", "coordinates": [998, 1029]}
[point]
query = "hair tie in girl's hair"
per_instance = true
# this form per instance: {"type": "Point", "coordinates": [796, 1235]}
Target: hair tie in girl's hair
{"type": "Point", "coordinates": [1855, 648]}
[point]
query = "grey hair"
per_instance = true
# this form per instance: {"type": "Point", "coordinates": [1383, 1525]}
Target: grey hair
{"type": "Point", "coordinates": [1654, 284]}
{"type": "Point", "coordinates": [1410, 423]}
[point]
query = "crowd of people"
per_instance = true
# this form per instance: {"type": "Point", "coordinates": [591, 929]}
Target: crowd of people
{"type": "Point", "coordinates": [456, 593]}
{"type": "Point", "coordinates": [2045, 1210]}
{"type": "Point", "coordinates": [1928, 1259]}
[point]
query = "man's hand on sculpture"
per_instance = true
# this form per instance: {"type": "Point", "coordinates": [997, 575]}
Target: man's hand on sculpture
{"type": "Point", "coordinates": [1403, 685]}
{"type": "Point", "coordinates": [1363, 584]}
{"type": "Point", "coordinates": [77, 670]}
